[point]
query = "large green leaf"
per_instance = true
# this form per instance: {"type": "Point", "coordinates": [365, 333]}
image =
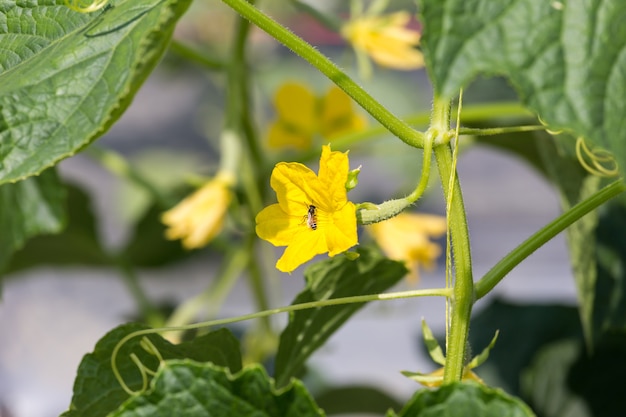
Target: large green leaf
{"type": "Point", "coordinates": [565, 58]}
{"type": "Point", "coordinates": [29, 208]}
{"type": "Point", "coordinates": [96, 390]}
{"type": "Point", "coordinates": [307, 330]}
{"type": "Point", "coordinates": [467, 399]}
{"type": "Point", "coordinates": [65, 77]}
{"type": "Point", "coordinates": [186, 388]}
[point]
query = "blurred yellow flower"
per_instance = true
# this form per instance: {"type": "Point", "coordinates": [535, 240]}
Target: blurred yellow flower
{"type": "Point", "coordinates": [406, 237]}
{"type": "Point", "coordinates": [301, 115]}
{"type": "Point", "coordinates": [386, 39]}
{"type": "Point", "coordinates": [198, 218]}
{"type": "Point", "coordinates": [313, 214]}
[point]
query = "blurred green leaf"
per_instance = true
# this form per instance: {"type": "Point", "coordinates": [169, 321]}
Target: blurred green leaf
{"type": "Point", "coordinates": [307, 330]}
{"type": "Point", "coordinates": [78, 243]}
{"type": "Point", "coordinates": [187, 388]}
{"type": "Point", "coordinates": [598, 377]}
{"type": "Point", "coordinates": [96, 390]}
{"type": "Point", "coordinates": [563, 58]}
{"type": "Point", "coordinates": [596, 242]}
{"type": "Point", "coordinates": [148, 246]}
{"type": "Point", "coordinates": [355, 399]}
{"type": "Point", "coordinates": [465, 399]}
{"type": "Point", "coordinates": [523, 331]}
{"type": "Point", "coordinates": [66, 77]}
{"type": "Point", "coordinates": [544, 382]}
{"type": "Point", "coordinates": [29, 208]}
{"type": "Point", "coordinates": [609, 306]}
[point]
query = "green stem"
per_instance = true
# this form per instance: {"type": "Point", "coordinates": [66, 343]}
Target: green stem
{"type": "Point", "coordinates": [517, 255]}
{"type": "Point", "coordinates": [463, 294]}
{"type": "Point", "coordinates": [150, 313]}
{"type": "Point", "coordinates": [330, 22]}
{"type": "Point", "coordinates": [212, 297]}
{"type": "Point", "coordinates": [117, 164]}
{"type": "Point", "coordinates": [499, 130]}
{"type": "Point", "coordinates": [463, 290]}
{"type": "Point", "coordinates": [434, 292]}
{"type": "Point", "coordinates": [395, 125]}
{"type": "Point", "coordinates": [208, 62]}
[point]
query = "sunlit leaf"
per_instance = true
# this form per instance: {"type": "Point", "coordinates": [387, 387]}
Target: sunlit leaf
{"type": "Point", "coordinates": [464, 399]}
{"type": "Point", "coordinates": [96, 390]}
{"type": "Point", "coordinates": [66, 77]}
{"type": "Point", "coordinates": [564, 58]}
{"type": "Point", "coordinates": [194, 389]}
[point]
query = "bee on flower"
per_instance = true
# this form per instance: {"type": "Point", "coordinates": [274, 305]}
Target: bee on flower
{"type": "Point", "coordinates": [313, 214]}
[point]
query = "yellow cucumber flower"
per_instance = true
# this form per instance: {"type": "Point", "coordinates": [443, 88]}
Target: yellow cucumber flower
{"type": "Point", "coordinates": [386, 39]}
{"type": "Point", "coordinates": [313, 214]}
{"type": "Point", "coordinates": [406, 237]}
{"type": "Point", "coordinates": [198, 218]}
{"type": "Point", "coordinates": [301, 115]}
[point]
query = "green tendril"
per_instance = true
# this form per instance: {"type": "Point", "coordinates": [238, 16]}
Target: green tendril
{"type": "Point", "coordinates": [148, 346]}
{"type": "Point", "coordinates": [86, 6]}
{"type": "Point", "coordinates": [368, 213]}
{"type": "Point", "coordinates": [602, 163]}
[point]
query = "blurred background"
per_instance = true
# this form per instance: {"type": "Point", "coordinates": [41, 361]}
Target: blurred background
{"type": "Point", "coordinates": [50, 316]}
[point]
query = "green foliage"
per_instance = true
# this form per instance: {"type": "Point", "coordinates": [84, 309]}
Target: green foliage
{"type": "Point", "coordinates": [307, 330]}
{"type": "Point", "coordinates": [96, 390]}
{"type": "Point", "coordinates": [356, 400]}
{"type": "Point", "coordinates": [466, 399]}
{"type": "Point", "coordinates": [563, 58]}
{"type": "Point", "coordinates": [67, 77]}
{"type": "Point", "coordinates": [78, 243]}
{"type": "Point", "coordinates": [29, 208]}
{"type": "Point", "coordinates": [523, 330]}
{"type": "Point", "coordinates": [211, 391]}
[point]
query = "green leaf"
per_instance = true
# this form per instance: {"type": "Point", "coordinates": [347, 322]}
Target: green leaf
{"type": "Point", "coordinates": [66, 77]}
{"type": "Point", "coordinates": [96, 390]}
{"type": "Point", "coordinates": [524, 329]}
{"type": "Point", "coordinates": [355, 400]}
{"type": "Point", "coordinates": [307, 330]}
{"type": "Point", "coordinates": [608, 313]}
{"type": "Point", "coordinates": [545, 385]}
{"type": "Point", "coordinates": [563, 58]}
{"type": "Point", "coordinates": [148, 246]}
{"type": "Point", "coordinates": [432, 345]}
{"type": "Point", "coordinates": [464, 399]}
{"type": "Point", "coordinates": [187, 388]}
{"type": "Point", "coordinates": [599, 377]}
{"type": "Point", "coordinates": [29, 208]}
{"type": "Point", "coordinates": [78, 243]}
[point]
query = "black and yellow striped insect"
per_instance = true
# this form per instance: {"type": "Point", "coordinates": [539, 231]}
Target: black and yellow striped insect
{"type": "Point", "coordinates": [311, 217]}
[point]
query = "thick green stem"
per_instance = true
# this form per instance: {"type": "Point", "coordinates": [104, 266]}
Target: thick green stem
{"type": "Point", "coordinates": [463, 292]}
{"type": "Point", "coordinates": [395, 125]}
{"type": "Point", "coordinates": [208, 62]}
{"type": "Point", "coordinates": [517, 255]}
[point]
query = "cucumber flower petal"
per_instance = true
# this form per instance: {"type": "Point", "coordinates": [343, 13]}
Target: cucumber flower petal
{"type": "Point", "coordinates": [313, 215]}
{"type": "Point", "coordinates": [406, 237]}
{"type": "Point", "coordinates": [386, 39]}
{"type": "Point", "coordinates": [300, 115]}
{"type": "Point", "coordinates": [198, 218]}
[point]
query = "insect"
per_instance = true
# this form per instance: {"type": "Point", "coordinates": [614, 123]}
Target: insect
{"type": "Point", "coordinates": [311, 217]}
